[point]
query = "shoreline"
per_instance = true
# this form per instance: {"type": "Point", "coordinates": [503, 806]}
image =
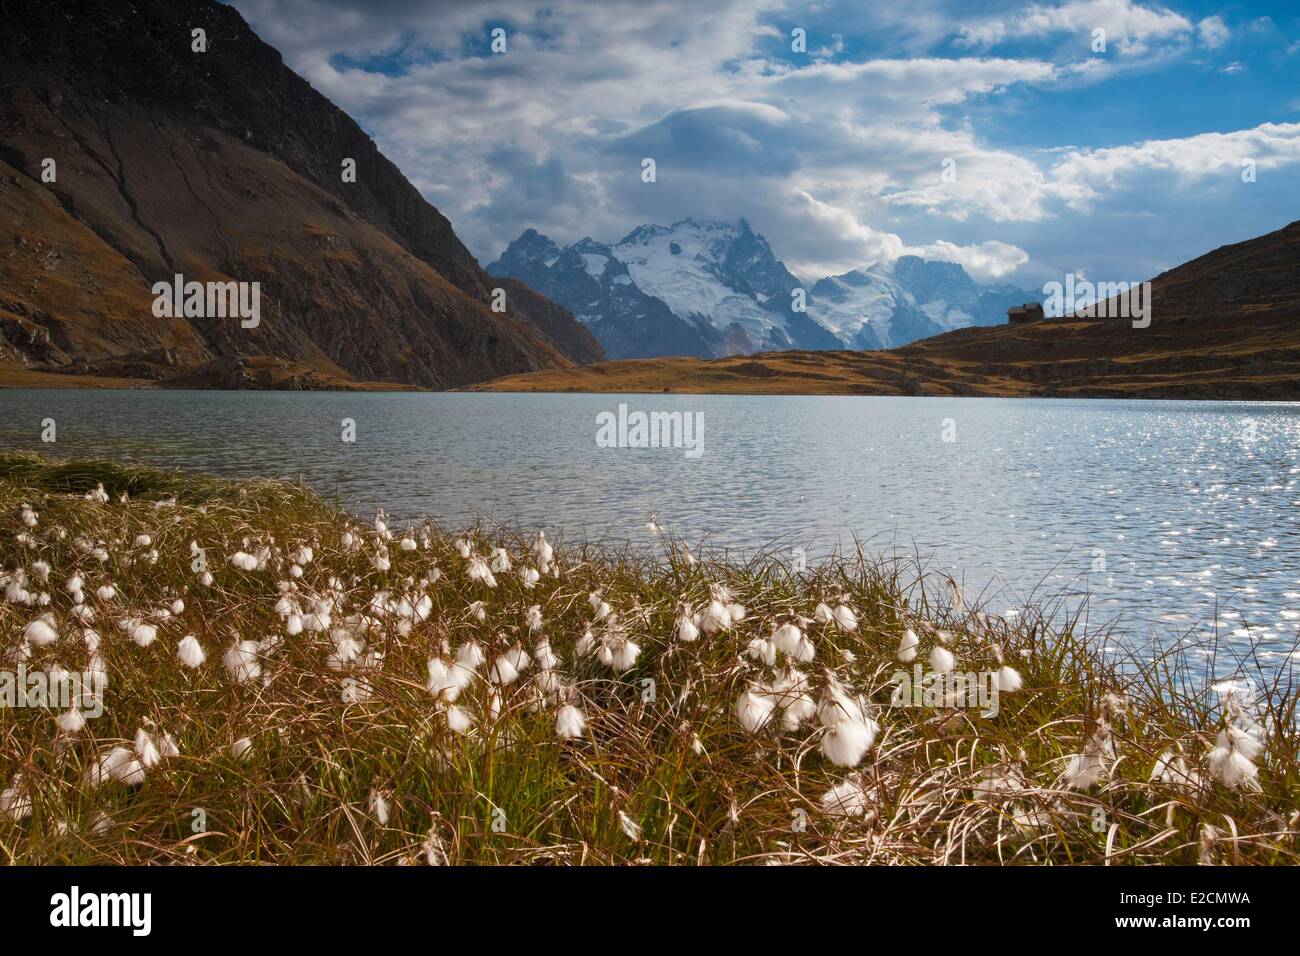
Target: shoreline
{"type": "Point", "coordinates": [368, 708]}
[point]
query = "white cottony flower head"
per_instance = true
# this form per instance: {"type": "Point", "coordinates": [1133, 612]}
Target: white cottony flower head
{"type": "Point", "coordinates": [569, 722]}
{"type": "Point", "coordinates": [379, 806]}
{"type": "Point", "coordinates": [687, 631]}
{"type": "Point", "coordinates": [1009, 680]}
{"type": "Point", "coordinates": [846, 618]}
{"type": "Point", "coordinates": [630, 827]}
{"type": "Point", "coordinates": [846, 799]}
{"type": "Point", "coordinates": [71, 721]}
{"type": "Point", "coordinates": [762, 650]}
{"type": "Point", "coordinates": [716, 617]}
{"type": "Point", "coordinates": [545, 553]}
{"type": "Point", "coordinates": [941, 659]}
{"type": "Point", "coordinates": [15, 800]}
{"type": "Point", "coordinates": [846, 743]}
{"type": "Point", "coordinates": [243, 662]}
{"type": "Point", "coordinates": [754, 709]}
{"type": "Point", "coordinates": [1232, 759]}
{"type": "Point", "coordinates": [190, 651]}
{"type": "Point", "coordinates": [41, 632]}
{"type": "Point", "coordinates": [458, 720]}
{"type": "Point", "coordinates": [624, 655]}
{"type": "Point", "coordinates": [908, 645]}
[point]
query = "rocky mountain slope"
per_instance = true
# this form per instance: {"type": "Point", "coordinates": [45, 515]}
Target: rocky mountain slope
{"type": "Point", "coordinates": [225, 165]}
{"type": "Point", "coordinates": [710, 289]}
{"type": "Point", "coordinates": [693, 288]}
{"type": "Point", "coordinates": [1225, 325]}
{"type": "Point", "coordinates": [889, 305]}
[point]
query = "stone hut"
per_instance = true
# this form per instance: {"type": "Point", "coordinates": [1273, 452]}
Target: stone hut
{"type": "Point", "coordinates": [1029, 312]}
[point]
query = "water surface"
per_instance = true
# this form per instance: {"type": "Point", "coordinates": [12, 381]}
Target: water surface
{"type": "Point", "coordinates": [1177, 517]}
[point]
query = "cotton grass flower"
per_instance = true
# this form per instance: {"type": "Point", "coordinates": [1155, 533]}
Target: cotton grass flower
{"type": "Point", "coordinates": [242, 662]}
{"type": "Point", "coordinates": [1008, 680]}
{"type": "Point", "coordinates": [762, 650]}
{"type": "Point", "coordinates": [1232, 759]}
{"type": "Point", "coordinates": [242, 748]}
{"type": "Point", "coordinates": [41, 631]}
{"type": "Point", "coordinates": [120, 764]}
{"type": "Point", "coordinates": [845, 618]}
{"type": "Point", "coordinates": [631, 828]}
{"type": "Point", "coordinates": [505, 669]}
{"type": "Point", "coordinates": [190, 652]}
{"type": "Point", "coordinates": [378, 804]}
{"type": "Point", "coordinates": [458, 721]}
{"type": "Point", "coordinates": [243, 561]}
{"type": "Point", "coordinates": [444, 681]}
{"type": "Point", "coordinates": [848, 732]}
{"type": "Point", "coordinates": [569, 722]}
{"type": "Point", "coordinates": [478, 570]}
{"type": "Point", "coordinates": [754, 709]}
{"type": "Point", "coordinates": [846, 799]}
{"type": "Point", "coordinates": [146, 749]}
{"type": "Point", "coordinates": [1090, 767]}
{"type": "Point", "coordinates": [908, 645]}
{"type": "Point", "coordinates": [1172, 770]}
{"type": "Point", "coordinates": [686, 629]}
{"type": "Point", "coordinates": [716, 618]}
{"type": "Point", "coordinates": [71, 721]}
{"type": "Point", "coordinates": [16, 800]}
{"type": "Point", "coordinates": [138, 631]}
{"type": "Point", "coordinates": [542, 548]}
{"type": "Point", "coordinates": [941, 659]}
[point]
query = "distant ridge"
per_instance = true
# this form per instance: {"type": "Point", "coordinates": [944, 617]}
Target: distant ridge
{"type": "Point", "coordinates": [710, 289]}
{"type": "Point", "coordinates": [1225, 325]}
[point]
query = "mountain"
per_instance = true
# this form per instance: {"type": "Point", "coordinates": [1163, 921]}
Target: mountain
{"type": "Point", "coordinates": [224, 165]}
{"type": "Point", "coordinates": [693, 288]}
{"type": "Point", "coordinates": [709, 289]}
{"type": "Point", "coordinates": [890, 305]}
{"type": "Point", "coordinates": [1224, 326]}
{"type": "Point", "coordinates": [595, 285]}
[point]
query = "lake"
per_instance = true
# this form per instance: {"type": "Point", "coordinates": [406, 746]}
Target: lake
{"type": "Point", "coordinates": [1172, 515]}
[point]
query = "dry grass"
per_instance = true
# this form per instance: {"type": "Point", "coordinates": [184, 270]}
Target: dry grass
{"type": "Point", "coordinates": [663, 772]}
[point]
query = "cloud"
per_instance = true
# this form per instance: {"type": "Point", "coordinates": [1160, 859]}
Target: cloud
{"type": "Point", "coordinates": [1213, 32]}
{"type": "Point", "coordinates": [1130, 27]}
{"type": "Point", "coordinates": [1204, 161]}
{"type": "Point", "coordinates": [837, 156]}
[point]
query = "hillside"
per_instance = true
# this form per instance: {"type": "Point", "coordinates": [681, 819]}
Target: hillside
{"type": "Point", "coordinates": [225, 165]}
{"type": "Point", "coordinates": [1225, 325]}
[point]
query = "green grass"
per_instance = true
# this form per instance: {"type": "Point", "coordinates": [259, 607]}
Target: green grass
{"type": "Point", "coordinates": [670, 755]}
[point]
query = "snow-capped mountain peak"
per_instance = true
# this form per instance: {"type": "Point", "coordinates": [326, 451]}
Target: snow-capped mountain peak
{"type": "Point", "coordinates": [708, 288]}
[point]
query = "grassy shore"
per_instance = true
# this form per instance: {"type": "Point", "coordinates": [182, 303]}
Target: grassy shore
{"type": "Point", "coordinates": [376, 694]}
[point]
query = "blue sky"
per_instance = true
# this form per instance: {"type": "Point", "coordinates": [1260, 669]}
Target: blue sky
{"type": "Point", "coordinates": [1112, 163]}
